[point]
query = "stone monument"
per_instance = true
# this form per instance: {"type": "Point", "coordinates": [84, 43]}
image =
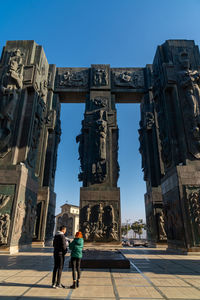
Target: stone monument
{"type": "Point", "coordinates": [31, 92]}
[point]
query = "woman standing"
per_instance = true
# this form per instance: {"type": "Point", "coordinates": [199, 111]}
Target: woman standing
{"type": "Point", "coordinates": [76, 248]}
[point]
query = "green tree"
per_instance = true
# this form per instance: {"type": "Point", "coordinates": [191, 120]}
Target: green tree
{"type": "Point", "coordinates": [138, 227]}
{"type": "Point", "coordinates": [125, 228]}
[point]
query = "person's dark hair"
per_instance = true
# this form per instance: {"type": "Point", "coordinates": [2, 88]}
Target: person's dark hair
{"type": "Point", "coordinates": [62, 227]}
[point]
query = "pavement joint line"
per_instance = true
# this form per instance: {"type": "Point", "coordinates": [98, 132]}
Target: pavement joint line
{"type": "Point", "coordinates": [69, 295]}
{"type": "Point", "coordinates": [11, 276]}
{"type": "Point", "coordinates": [178, 277]}
{"type": "Point", "coordinates": [114, 286]}
{"type": "Point", "coordinates": [21, 296]}
{"type": "Point", "coordinates": [155, 287]}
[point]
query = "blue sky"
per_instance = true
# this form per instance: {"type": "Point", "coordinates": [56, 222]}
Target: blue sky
{"type": "Point", "coordinates": [78, 33]}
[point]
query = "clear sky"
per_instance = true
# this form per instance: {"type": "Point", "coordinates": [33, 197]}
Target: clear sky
{"type": "Point", "coordinates": [122, 33]}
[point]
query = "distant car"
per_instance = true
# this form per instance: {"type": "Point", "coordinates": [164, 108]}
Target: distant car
{"type": "Point", "coordinates": [126, 244]}
{"type": "Point", "coordinates": [137, 243]}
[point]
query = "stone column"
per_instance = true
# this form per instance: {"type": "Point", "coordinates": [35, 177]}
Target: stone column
{"type": "Point", "coordinates": [152, 165]}
{"type": "Point", "coordinates": [177, 97]}
{"type": "Point", "coordinates": [23, 78]}
{"type": "Point", "coordinates": [100, 217]}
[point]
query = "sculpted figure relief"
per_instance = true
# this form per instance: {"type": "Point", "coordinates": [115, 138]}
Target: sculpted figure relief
{"type": "Point", "coordinates": [101, 134]}
{"type": "Point", "coordinates": [195, 208]}
{"type": "Point", "coordinates": [100, 77]}
{"type": "Point", "coordinates": [132, 79]}
{"type": "Point", "coordinates": [161, 226]}
{"type": "Point", "coordinates": [4, 228]}
{"type": "Point", "coordinates": [4, 199]}
{"type": "Point", "coordinates": [74, 79]}
{"type": "Point", "coordinates": [98, 223]}
{"type": "Point", "coordinates": [11, 85]}
{"type": "Point", "coordinates": [36, 131]}
{"type": "Point", "coordinates": [190, 83]}
{"type": "Point", "coordinates": [19, 219]}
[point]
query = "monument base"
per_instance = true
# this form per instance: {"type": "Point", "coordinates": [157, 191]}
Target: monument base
{"type": "Point", "coordinates": [100, 215]}
{"type": "Point", "coordinates": [103, 259]}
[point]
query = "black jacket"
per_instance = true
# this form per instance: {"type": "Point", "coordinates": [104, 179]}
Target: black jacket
{"type": "Point", "coordinates": [59, 243]}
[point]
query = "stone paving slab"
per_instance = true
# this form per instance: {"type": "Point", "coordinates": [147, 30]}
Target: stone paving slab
{"type": "Point", "coordinates": [137, 292]}
{"type": "Point", "coordinates": [153, 275]}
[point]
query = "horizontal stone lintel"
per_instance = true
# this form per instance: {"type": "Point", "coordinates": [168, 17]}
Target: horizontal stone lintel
{"type": "Point", "coordinates": [99, 195]}
{"type": "Point", "coordinates": [80, 95]}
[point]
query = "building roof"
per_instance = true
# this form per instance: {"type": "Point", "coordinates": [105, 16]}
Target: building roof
{"type": "Point", "coordinates": [71, 205]}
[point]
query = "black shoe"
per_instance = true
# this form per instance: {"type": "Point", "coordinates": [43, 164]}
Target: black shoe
{"type": "Point", "coordinates": [73, 286]}
{"type": "Point", "coordinates": [77, 283]}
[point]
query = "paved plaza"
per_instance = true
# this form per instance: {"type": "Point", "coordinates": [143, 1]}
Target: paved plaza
{"type": "Point", "coordinates": [154, 274]}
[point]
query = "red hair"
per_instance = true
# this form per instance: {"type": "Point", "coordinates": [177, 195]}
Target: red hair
{"type": "Point", "coordinates": [79, 235]}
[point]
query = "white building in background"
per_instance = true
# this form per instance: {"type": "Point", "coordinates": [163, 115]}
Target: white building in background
{"type": "Point", "coordinates": [68, 217]}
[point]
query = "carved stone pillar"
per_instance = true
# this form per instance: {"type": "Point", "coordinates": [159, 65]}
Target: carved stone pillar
{"type": "Point", "coordinates": [152, 165]}
{"type": "Point", "coordinates": [177, 97]}
{"type": "Point", "coordinates": [23, 95]}
{"type": "Point", "coordinates": [100, 217]}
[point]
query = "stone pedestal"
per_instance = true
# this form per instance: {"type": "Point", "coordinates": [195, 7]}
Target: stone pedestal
{"type": "Point", "coordinates": [18, 194]}
{"type": "Point", "coordinates": [100, 216]}
{"type": "Point", "coordinates": [181, 197]}
{"type": "Point", "coordinates": [156, 234]}
{"type": "Point", "coordinates": [103, 259]}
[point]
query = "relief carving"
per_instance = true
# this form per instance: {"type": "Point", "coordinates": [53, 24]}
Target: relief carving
{"type": "Point", "coordinates": [131, 79]}
{"type": "Point", "coordinates": [11, 85]}
{"type": "Point", "coordinates": [96, 168]}
{"type": "Point", "coordinates": [190, 84]}
{"type": "Point", "coordinates": [99, 165]}
{"type": "Point", "coordinates": [4, 200]}
{"type": "Point", "coordinates": [143, 150]}
{"type": "Point", "coordinates": [30, 218]}
{"type": "Point", "coordinates": [20, 214]}
{"type": "Point", "coordinates": [100, 77]}
{"type": "Point", "coordinates": [149, 120]}
{"type": "Point", "coordinates": [166, 150]}
{"type": "Point", "coordinates": [74, 79]}
{"type": "Point", "coordinates": [37, 127]}
{"type": "Point", "coordinates": [98, 223]}
{"type": "Point", "coordinates": [161, 226]}
{"type": "Point", "coordinates": [4, 228]}
{"type": "Point", "coordinates": [194, 200]}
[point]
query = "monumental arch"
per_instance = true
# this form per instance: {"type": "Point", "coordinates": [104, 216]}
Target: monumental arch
{"type": "Point", "coordinates": [169, 94]}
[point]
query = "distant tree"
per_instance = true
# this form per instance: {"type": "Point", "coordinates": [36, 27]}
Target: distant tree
{"type": "Point", "coordinates": [125, 228]}
{"type": "Point", "coordinates": [138, 227]}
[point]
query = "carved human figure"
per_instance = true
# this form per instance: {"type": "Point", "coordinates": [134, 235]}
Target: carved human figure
{"type": "Point", "coordinates": [100, 77]}
{"type": "Point", "coordinates": [149, 120]}
{"type": "Point", "coordinates": [112, 234]}
{"type": "Point", "coordinates": [11, 85]}
{"type": "Point", "coordinates": [111, 215]}
{"type": "Point", "coordinates": [4, 199]}
{"type": "Point", "coordinates": [88, 213]}
{"type": "Point", "coordinates": [190, 83]}
{"type": "Point", "coordinates": [100, 212]}
{"type": "Point", "coordinates": [19, 219]}
{"type": "Point", "coordinates": [4, 228]}
{"type": "Point", "coordinates": [86, 232]}
{"type": "Point", "coordinates": [37, 126]}
{"type": "Point", "coordinates": [195, 208]}
{"type": "Point", "coordinates": [101, 133]}
{"type": "Point", "coordinates": [161, 226]}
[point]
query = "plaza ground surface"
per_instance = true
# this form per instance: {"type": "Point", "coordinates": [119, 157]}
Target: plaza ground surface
{"type": "Point", "coordinates": [154, 274]}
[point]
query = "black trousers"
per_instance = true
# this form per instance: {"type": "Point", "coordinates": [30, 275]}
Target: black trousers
{"type": "Point", "coordinates": [58, 267]}
{"type": "Point", "coordinates": [76, 263]}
